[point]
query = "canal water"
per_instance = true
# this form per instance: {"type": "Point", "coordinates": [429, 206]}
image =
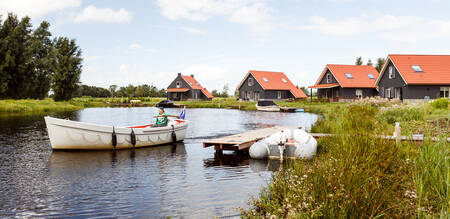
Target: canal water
{"type": "Point", "coordinates": [172, 180]}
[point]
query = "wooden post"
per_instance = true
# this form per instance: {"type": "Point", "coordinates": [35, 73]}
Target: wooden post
{"type": "Point", "coordinates": [239, 106]}
{"type": "Point", "coordinates": [397, 133]}
{"type": "Point", "coordinates": [310, 93]}
{"type": "Point", "coordinates": [218, 104]}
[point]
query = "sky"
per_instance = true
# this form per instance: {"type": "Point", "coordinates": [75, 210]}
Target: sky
{"type": "Point", "coordinates": [219, 41]}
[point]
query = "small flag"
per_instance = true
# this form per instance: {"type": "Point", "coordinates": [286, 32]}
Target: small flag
{"type": "Point", "coordinates": [183, 113]}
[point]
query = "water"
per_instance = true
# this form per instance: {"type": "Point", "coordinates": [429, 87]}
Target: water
{"type": "Point", "coordinates": [172, 180]}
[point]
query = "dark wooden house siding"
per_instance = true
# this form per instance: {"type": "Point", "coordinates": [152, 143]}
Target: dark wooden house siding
{"type": "Point", "coordinates": [247, 92]}
{"type": "Point", "coordinates": [342, 93]}
{"type": "Point", "coordinates": [190, 94]}
{"type": "Point", "coordinates": [406, 91]}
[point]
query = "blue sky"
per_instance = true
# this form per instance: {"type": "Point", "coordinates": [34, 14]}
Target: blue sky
{"type": "Point", "coordinates": [148, 42]}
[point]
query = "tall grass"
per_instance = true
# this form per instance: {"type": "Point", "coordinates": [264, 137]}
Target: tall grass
{"type": "Point", "coordinates": [355, 175]}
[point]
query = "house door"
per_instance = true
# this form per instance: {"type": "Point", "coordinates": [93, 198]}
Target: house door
{"type": "Point", "coordinates": [256, 95]}
{"type": "Point", "coordinates": [398, 93]}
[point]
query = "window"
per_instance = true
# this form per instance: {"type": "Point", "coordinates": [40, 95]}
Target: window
{"type": "Point", "coordinates": [337, 93]}
{"type": "Point", "coordinates": [387, 93]}
{"type": "Point", "coordinates": [250, 82]}
{"type": "Point", "coordinates": [328, 78]}
{"type": "Point", "coordinates": [445, 92]}
{"type": "Point", "coordinates": [391, 72]}
{"type": "Point", "coordinates": [248, 95]}
{"type": "Point", "coordinates": [349, 76]}
{"type": "Point", "coordinates": [359, 93]}
{"type": "Point", "coordinates": [416, 68]}
{"type": "Point", "coordinates": [265, 80]}
{"type": "Point", "coordinates": [371, 76]}
{"type": "Point", "coordinates": [279, 95]}
{"type": "Point", "coordinates": [178, 84]}
{"type": "Point", "coordinates": [175, 94]}
{"type": "Point", "coordinates": [397, 93]}
{"type": "Point", "coordinates": [284, 80]}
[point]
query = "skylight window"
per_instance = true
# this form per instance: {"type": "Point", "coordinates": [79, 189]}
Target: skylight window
{"type": "Point", "coordinates": [284, 80]}
{"type": "Point", "coordinates": [416, 68]}
{"type": "Point", "coordinates": [349, 76]}
{"type": "Point", "coordinates": [265, 80]}
{"type": "Point", "coordinates": [371, 76]}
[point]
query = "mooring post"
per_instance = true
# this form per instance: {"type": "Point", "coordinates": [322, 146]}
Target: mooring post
{"type": "Point", "coordinates": [397, 133]}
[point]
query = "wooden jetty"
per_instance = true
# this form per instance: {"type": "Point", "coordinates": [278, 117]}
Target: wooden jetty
{"type": "Point", "coordinates": [242, 141]}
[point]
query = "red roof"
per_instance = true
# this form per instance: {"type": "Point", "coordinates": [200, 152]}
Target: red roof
{"type": "Point", "coordinates": [435, 68]}
{"type": "Point", "coordinates": [195, 85]}
{"type": "Point", "coordinates": [275, 81]}
{"type": "Point", "coordinates": [359, 75]}
{"type": "Point", "coordinates": [324, 86]}
{"type": "Point", "coordinates": [177, 89]}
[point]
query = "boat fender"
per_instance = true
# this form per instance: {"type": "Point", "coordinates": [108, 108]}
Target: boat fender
{"type": "Point", "coordinates": [133, 138]}
{"type": "Point", "coordinates": [114, 138]}
{"type": "Point", "coordinates": [174, 136]}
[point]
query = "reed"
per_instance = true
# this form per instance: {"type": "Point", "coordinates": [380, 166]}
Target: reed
{"type": "Point", "coordinates": [357, 175]}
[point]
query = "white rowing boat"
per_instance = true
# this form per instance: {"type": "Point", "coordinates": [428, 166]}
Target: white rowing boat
{"type": "Point", "coordinates": [267, 106]}
{"type": "Point", "coordinates": [67, 134]}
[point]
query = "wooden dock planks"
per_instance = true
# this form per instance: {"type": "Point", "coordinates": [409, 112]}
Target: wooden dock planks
{"type": "Point", "coordinates": [242, 141]}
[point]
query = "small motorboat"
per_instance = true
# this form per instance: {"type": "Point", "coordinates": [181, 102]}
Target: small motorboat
{"type": "Point", "coordinates": [267, 106]}
{"type": "Point", "coordinates": [67, 134]}
{"type": "Point", "coordinates": [165, 103]}
{"type": "Point", "coordinates": [296, 144]}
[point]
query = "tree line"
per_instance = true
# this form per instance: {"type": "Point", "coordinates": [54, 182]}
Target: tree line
{"type": "Point", "coordinates": [129, 91]}
{"type": "Point", "coordinates": [32, 62]}
{"type": "Point", "coordinates": [378, 65]}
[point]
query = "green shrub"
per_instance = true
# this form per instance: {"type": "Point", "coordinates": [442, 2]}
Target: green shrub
{"type": "Point", "coordinates": [441, 103]}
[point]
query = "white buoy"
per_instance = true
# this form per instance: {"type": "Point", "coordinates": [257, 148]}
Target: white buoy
{"type": "Point", "coordinates": [259, 150]}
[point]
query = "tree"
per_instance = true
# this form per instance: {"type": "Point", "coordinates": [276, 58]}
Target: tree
{"type": "Point", "coordinates": [215, 93]}
{"type": "Point", "coordinates": [380, 63]}
{"type": "Point", "coordinates": [122, 92]}
{"type": "Point", "coordinates": [112, 89]}
{"type": "Point", "coordinates": [224, 91]}
{"type": "Point", "coordinates": [15, 68]}
{"type": "Point", "coordinates": [369, 62]}
{"type": "Point", "coordinates": [68, 68]}
{"type": "Point", "coordinates": [130, 90]}
{"type": "Point", "coordinates": [305, 90]}
{"type": "Point", "coordinates": [359, 61]}
{"type": "Point", "coordinates": [42, 61]}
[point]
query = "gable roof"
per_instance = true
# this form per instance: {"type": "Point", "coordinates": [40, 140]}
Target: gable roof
{"type": "Point", "coordinates": [435, 68]}
{"type": "Point", "coordinates": [270, 80]}
{"type": "Point", "coordinates": [196, 86]}
{"type": "Point", "coordinates": [359, 73]}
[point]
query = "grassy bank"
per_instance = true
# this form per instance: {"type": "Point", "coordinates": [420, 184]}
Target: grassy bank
{"type": "Point", "coordinates": [43, 106]}
{"type": "Point", "coordinates": [357, 175]}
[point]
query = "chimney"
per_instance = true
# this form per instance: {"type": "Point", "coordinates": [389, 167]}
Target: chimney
{"type": "Point", "coordinates": [192, 75]}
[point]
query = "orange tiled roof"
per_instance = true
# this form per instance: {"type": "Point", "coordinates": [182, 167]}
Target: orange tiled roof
{"type": "Point", "coordinates": [195, 85]}
{"type": "Point", "coordinates": [274, 81]}
{"type": "Point", "coordinates": [359, 73]}
{"type": "Point", "coordinates": [324, 86]}
{"type": "Point", "coordinates": [435, 68]}
{"type": "Point", "coordinates": [177, 89]}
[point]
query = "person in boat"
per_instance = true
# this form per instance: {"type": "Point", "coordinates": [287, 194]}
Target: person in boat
{"type": "Point", "coordinates": [161, 119]}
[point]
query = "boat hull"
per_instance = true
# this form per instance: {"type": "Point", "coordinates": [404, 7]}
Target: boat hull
{"type": "Point", "coordinates": [72, 135]}
{"type": "Point", "coordinates": [268, 108]}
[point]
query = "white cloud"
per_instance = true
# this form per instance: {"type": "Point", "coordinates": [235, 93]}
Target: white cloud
{"type": "Point", "coordinates": [36, 8]}
{"type": "Point", "coordinates": [254, 14]}
{"type": "Point", "coordinates": [123, 67]}
{"type": "Point", "coordinates": [193, 30]}
{"type": "Point", "coordinates": [135, 46]}
{"type": "Point", "coordinates": [396, 29]}
{"type": "Point", "coordinates": [103, 15]}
